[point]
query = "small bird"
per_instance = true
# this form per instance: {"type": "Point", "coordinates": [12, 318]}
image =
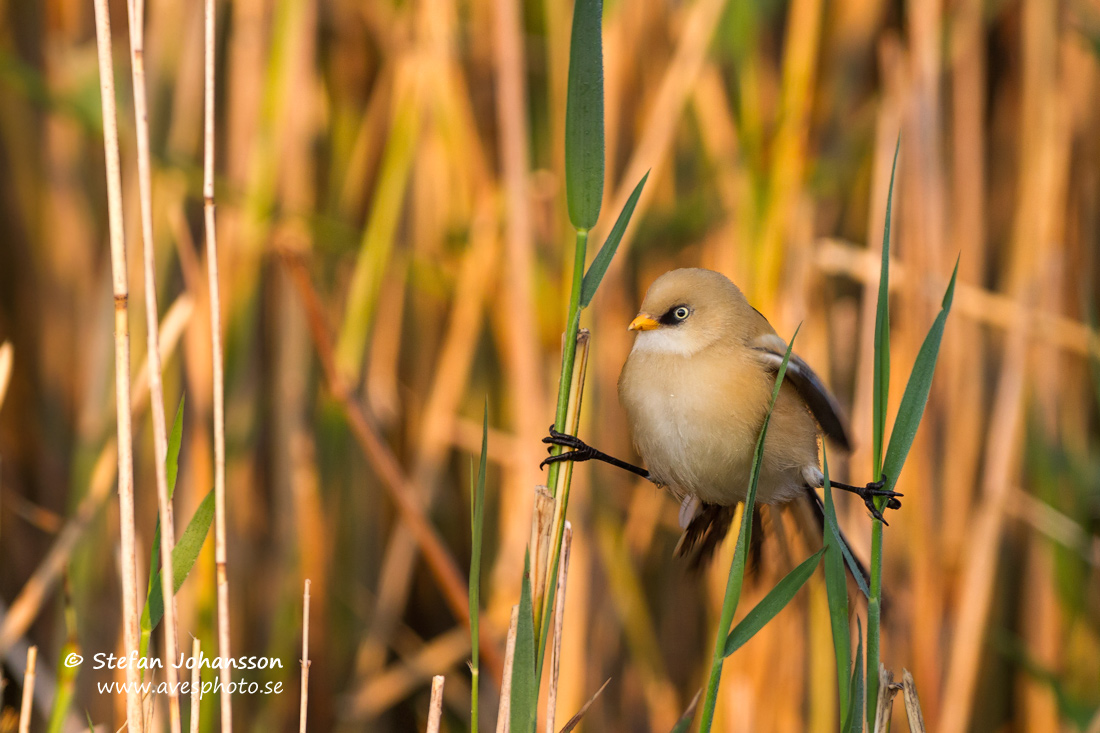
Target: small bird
{"type": "Point", "coordinates": [696, 388]}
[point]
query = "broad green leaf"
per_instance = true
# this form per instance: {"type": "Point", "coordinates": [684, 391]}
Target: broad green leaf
{"type": "Point", "coordinates": [881, 381]}
{"type": "Point", "coordinates": [836, 588]}
{"type": "Point", "coordinates": [599, 265]}
{"type": "Point", "coordinates": [184, 555]}
{"type": "Point", "coordinates": [524, 685]}
{"type": "Point", "coordinates": [477, 521]}
{"type": "Point", "coordinates": [853, 717]}
{"type": "Point", "coordinates": [915, 397]}
{"type": "Point", "coordinates": [584, 147]}
{"type": "Point", "coordinates": [774, 602]}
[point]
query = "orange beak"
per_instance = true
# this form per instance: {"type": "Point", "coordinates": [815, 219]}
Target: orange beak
{"type": "Point", "coordinates": [643, 322]}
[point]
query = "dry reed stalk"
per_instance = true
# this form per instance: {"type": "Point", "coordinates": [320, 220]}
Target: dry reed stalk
{"type": "Point", "coordinates": [884, 706]}
{"type": "Point", "coordinates": [196, 686]}
{"type": "Point", "coordinates": [505, 709]}
{"type": "Point", "coordinates": [387, 688]}
{"type": "Point", "coordinates": [719, 136]}
{"type": "Point", "coordinates": [979, 571]}
{"type": "Point", "coordinates": [912, 703]}
{"type": "Point", "coordinates": [1048, 521]}
{"type": "Point", "coordinates": [1042, 629]}
{"type": "Point", "coordinates": [28, 691]}
{"type": "Point", "coordinates": [400, 489]}
{"type": "Point", "coordinates": [221, 559]}
{"type": "Point", "coordinates": [981, 305]}
{"type": "Point", "coordinates": [304, 700]}
{"type": "Point", "coordinates": [921, 241]}
{"type": "Point", "coordinates": [6, 353]}
{"type": "Point", "coordinates": [1044, 160]}
{"type": "Point", "coordinates": [26, 606]}
{"type": "Point", "coordinates": [963, 352]}
{"type": "Point", "coordinates": [542, 526]}
{"type": "Point", "coordinates": [785, 181]}
{"type": "Point", "coordinates": [559, 620]}
{"type": "Point", "coordinates": [136, 10]}
{"type": "Point", "coordinates": [435, 707]}
{"type": "Point", "coordinates": [130, 622]}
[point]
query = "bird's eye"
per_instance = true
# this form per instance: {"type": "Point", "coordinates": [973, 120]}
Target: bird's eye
{"type": "Point", "coordinates": [681, 313]}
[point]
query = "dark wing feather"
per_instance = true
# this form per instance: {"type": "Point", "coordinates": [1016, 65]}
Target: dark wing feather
{"type": "Point", "coordinates": [809, 386]}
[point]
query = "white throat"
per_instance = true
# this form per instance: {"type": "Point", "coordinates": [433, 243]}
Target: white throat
{"type": "Point", "coordinates": [664, 341]}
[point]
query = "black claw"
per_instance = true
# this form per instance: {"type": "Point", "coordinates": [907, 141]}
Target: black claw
{"type": "Point", "coordinates": [870, 503]}
{"type": "Point", "coordinates": [876, 489]}
{"type": "Point", "coordinates": [565, 441]}
{"type": "Point", "coordinates": [578, 449]}
{"type": "Point", "coordinates": [581, 454]}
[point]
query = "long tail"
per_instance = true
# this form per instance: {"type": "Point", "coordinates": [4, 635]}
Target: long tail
{"type": "Point", "coordinates": [711, 523]}
{"type": "Point", "coordinates": [706, 530]}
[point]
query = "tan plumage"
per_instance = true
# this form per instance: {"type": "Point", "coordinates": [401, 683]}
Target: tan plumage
{"type": "Point", "coordinates": [696, 388]}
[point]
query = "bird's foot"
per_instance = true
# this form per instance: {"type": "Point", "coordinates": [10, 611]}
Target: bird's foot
{"type": "Point", "coordinates": [579, 450]}
{"type": "Point", "coordinates": [869, 493]}
{"type": "Point", "coordinates": [875, 489]}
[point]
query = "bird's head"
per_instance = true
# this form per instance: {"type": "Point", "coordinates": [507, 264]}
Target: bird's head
{"type": "Point", "coordinates": [684, 311]}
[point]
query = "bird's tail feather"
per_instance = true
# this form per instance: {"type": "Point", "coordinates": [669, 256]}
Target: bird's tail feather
{"type": "Point", "coordinates": [706, 530]}
{"type": "Point", "coordinates": [711, 523]}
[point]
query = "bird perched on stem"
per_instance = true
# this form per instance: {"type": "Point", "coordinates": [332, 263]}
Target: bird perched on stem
{"type": "Point", "coordinates": [696, 388]}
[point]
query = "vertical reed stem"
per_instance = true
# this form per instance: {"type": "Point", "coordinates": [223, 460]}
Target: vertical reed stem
{"type": "Point", "coordinates": [504, 710]}
{"type": "Point", "coordinates": [136, 10]}
{"type": "Point", "coordinates": [220, 556]}
{"type": "Point", "coordinates": [27, 703]}
{"type": "Point", "coordinates": [561, 488]}
{"type": "Point", "coordinates": [559, 616]}
{"type": "Point", "coordinates": [196, 683]}
{"type": "Point", "coordinates": [305, 660]}
{"type": "Point", "coordinates": [120, 287]}
{"type": "Point", "coordinates": [569, 352]}
{"type": "Point", "coordinates": [435, 707]}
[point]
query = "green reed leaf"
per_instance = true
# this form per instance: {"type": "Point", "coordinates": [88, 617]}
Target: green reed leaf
{"type": "Point", "coordinates": [584, 147]}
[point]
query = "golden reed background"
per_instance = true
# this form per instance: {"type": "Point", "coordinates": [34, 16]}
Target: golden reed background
{"type": "Point", "coordinates": [409, 154]}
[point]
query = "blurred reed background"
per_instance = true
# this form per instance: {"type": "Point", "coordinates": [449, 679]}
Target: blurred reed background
{"type": "Point", "coordinates": [405, 159]}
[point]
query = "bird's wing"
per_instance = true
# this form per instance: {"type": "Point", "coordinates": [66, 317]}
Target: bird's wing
{"type": "Point", "coordinates": [809, 386]}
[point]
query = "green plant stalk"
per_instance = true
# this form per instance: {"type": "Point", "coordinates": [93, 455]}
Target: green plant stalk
{"type": "Point", "coordinates": [881, 384]}
{"type": "Point", "coordinates": [565, 392]}
{"type": "Point", "coordinates": [572, 420]}
{"type": "Point", "coordinates": [477, 521]}
{"type": "Point", "coordinates": [836, 586]}
{"type": "Point", "coordinates": [737, 566]}
{"type": "Point", "coordinates": [910, 412]}
{"type": "Point", "coordinates": [569, 355]}
{"type": "Point", "coordinates": [874, 616]}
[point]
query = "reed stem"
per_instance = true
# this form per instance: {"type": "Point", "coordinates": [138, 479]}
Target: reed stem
{"type": "Point", "coordinates": [130, 621]}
